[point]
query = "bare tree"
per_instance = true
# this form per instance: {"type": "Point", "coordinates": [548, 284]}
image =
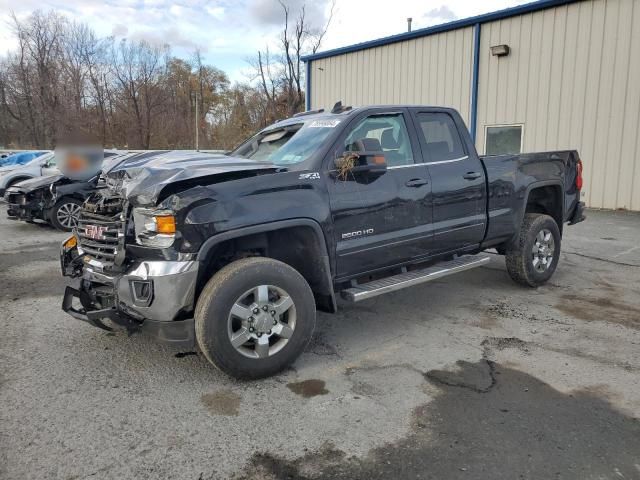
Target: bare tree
{"type": "Point", "coordinates": [63, 82]}
{"type": "Point", "coordinates": [281, 81]}
{"type": "Point", "coordinates": [139, 67]}
{"type": "Point", "coordinates": [34, 75]}
{"type": "Point", "coordinates": [42, 45]}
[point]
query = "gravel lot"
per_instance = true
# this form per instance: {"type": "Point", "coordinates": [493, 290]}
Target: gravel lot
{"type": "Point", "coordinates": [467, 377]}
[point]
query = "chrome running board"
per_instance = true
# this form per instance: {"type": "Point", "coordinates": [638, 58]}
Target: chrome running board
{"type": "Point", "coordinates": [414, 277]}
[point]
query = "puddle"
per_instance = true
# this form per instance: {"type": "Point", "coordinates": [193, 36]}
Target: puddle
{"type": "Point", "coordinates": [489, 421]}
{"type": "Point", "coordinates": [604, 309]}
{"type": "Point", "coordinates": [308, 388]}
{"type": "Point", "coordinates": [20, 285]}
{"type": "Point", "coordinates": [41, 252]}
{"type": "Point", "coordinates": [477, 377]}
{"type": "Point", "coordinates": [222, 402]}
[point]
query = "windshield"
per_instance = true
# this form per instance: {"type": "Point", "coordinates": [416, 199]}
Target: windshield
{"type": "Point", "coordinates": [289, 145]}
{"type": "Point", "coordinates": [20, 158]}
{"type": "Point", "coordinates": [11, 160]}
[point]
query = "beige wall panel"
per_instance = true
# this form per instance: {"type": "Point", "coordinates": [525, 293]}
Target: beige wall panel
{"type": "Point", "coordinates": [573, 80]}
{"type": "Point", "coordinates": [629, 185]}
{"type": "Point", "coordinates": [434, 70]}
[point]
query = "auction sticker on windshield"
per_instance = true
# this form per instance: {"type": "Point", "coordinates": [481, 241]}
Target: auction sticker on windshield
{"type": "Point", "coordinates": [324, 124]}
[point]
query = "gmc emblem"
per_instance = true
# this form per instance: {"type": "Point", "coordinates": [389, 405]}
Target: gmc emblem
{"type": "Point", "coordinates": [95, 232]}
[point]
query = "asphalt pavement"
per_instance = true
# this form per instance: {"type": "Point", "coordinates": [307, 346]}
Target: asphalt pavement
{"type": "Point", "coordinates": [467, 377]}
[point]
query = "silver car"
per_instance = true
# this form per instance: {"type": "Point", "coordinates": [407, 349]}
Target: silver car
{"type": "Point", "coordinates": [40, 166]}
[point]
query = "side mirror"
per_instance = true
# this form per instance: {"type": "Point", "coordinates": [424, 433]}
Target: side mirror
{"type": "Point", "coordinates": [365, 160]}
{"type": "Point", "coordinates": [359, 162]}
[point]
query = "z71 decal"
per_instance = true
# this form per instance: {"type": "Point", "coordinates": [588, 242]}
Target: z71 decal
{"type": "Point", "coordinates": [309, 176]}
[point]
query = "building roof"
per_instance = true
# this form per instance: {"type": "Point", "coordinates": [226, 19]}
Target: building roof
{"type": "Point", "coordinates": [444, 27]}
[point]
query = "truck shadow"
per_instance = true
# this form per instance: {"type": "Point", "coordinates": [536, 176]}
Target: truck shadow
{"type": "Point", "coordinates": [489, 421]}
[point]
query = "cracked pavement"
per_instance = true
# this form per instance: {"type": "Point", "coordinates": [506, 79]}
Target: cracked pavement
{"type": "Point", "coordinates": [469, 376]}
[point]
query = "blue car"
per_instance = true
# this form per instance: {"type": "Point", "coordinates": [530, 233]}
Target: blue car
{"type": "Point", "coordinates": [20, 158]}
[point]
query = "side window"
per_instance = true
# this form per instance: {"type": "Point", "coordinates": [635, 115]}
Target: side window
{"type": "Point", "coordinates": [391, 131]}
{"type": "Point", "coordinates": [440, 136]}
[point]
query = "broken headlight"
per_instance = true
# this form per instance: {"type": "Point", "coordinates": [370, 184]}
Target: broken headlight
{"type": "Point", "coordinates": [154, 228]}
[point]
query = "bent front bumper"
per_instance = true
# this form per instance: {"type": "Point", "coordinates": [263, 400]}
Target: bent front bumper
{"type": "Point", "coordinates": [22, 207]}
{"type": "Point", "coordinates": [155, 297]}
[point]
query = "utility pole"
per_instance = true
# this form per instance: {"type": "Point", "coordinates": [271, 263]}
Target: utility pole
{"type": "Point", "coordinates": [197, 145]}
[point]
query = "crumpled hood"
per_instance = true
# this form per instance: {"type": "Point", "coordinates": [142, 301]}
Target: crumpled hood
{"type": "Point", "coordinates": [38, 182]}
{"type": "Point", "coordinates": [142, 177]}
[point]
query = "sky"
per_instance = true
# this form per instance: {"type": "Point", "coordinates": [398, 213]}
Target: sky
{"type": "Point", "coordinates": [229, 32]}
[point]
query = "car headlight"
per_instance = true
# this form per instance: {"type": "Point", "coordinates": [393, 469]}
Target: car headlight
{"type": "Point", "coordinates": [154, 228]}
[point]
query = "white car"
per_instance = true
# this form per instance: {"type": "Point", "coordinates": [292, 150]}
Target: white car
{"type": "Point", "coordinates": [40, 166]}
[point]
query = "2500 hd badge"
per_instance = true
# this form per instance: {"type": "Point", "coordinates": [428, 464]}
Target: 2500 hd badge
{"type": "Point", "coordinates": [357, 233]}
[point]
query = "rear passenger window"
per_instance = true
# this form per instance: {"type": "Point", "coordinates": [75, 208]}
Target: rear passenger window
{"type": "Point", "coordinates": [440, 136]}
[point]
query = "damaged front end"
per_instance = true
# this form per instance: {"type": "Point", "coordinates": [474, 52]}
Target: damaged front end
{"type": "Point", "coordinates": [135, 253]}
{"type": "Point", "coordinates": [118, 290]}
{"type": "Point", "coordinates": [27, 205]}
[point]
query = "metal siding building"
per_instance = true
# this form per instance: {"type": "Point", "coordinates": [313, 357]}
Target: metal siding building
{"type": "Point", "coordinates": [571, 80]}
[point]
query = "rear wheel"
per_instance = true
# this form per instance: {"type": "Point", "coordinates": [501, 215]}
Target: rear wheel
{"type": "Point", "coordinates": [254, 317]}
{"type": "Point", "coordinates": [533, 259]}
{"type": "Point", "coordinates": [65, 213]}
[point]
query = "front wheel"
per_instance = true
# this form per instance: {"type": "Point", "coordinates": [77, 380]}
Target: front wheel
{"type": "Point", "coordinates": [533, 259]}
{"type": "Point", "coordinates": [65, 213]}
{"type": "Point", "coordinates": [254, 317]}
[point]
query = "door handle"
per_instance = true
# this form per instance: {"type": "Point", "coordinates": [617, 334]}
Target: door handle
{"type": "Point", "coordinates": [471, 175]}
{"type": "Point", "coordinates": [416, 182]}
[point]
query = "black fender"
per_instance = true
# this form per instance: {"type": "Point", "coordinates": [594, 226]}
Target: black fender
{"type": "Point", "coordinates": [325, 288]}
{"type": "Point", "coordinates": [519, 215]}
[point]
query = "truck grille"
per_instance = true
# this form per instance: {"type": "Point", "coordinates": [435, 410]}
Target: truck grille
{"type": "Point", "coordinates": [101, 229]}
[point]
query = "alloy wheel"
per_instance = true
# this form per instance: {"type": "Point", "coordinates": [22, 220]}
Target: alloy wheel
{"type": "Point", "coordinates": [261, 321]}
{"type": "Point", "coordinates": [543, 250]}
{"type": "Point", "coordinates": [67, 215]}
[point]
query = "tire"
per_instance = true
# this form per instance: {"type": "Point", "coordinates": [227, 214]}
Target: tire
{"type": "Point", "coordinates": [537, 231]}
{"type": "Point", "coordinates": [63, 215]}
{"type": "Point", "coordinates": [241, 286]}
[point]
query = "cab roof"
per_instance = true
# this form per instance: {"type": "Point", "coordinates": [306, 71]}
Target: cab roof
{"type": "Point", "coordinates": [311, 115]}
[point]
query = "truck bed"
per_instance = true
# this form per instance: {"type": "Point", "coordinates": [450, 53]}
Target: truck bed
{"type": "Point", "coordinates": [556, 171]}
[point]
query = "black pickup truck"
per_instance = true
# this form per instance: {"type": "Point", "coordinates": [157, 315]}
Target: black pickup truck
{"type": "Point", "coordinates": [234, 253]}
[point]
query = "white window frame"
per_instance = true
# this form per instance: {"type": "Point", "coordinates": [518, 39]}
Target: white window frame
{"type": "Point", "coordinates": [487, 127]}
